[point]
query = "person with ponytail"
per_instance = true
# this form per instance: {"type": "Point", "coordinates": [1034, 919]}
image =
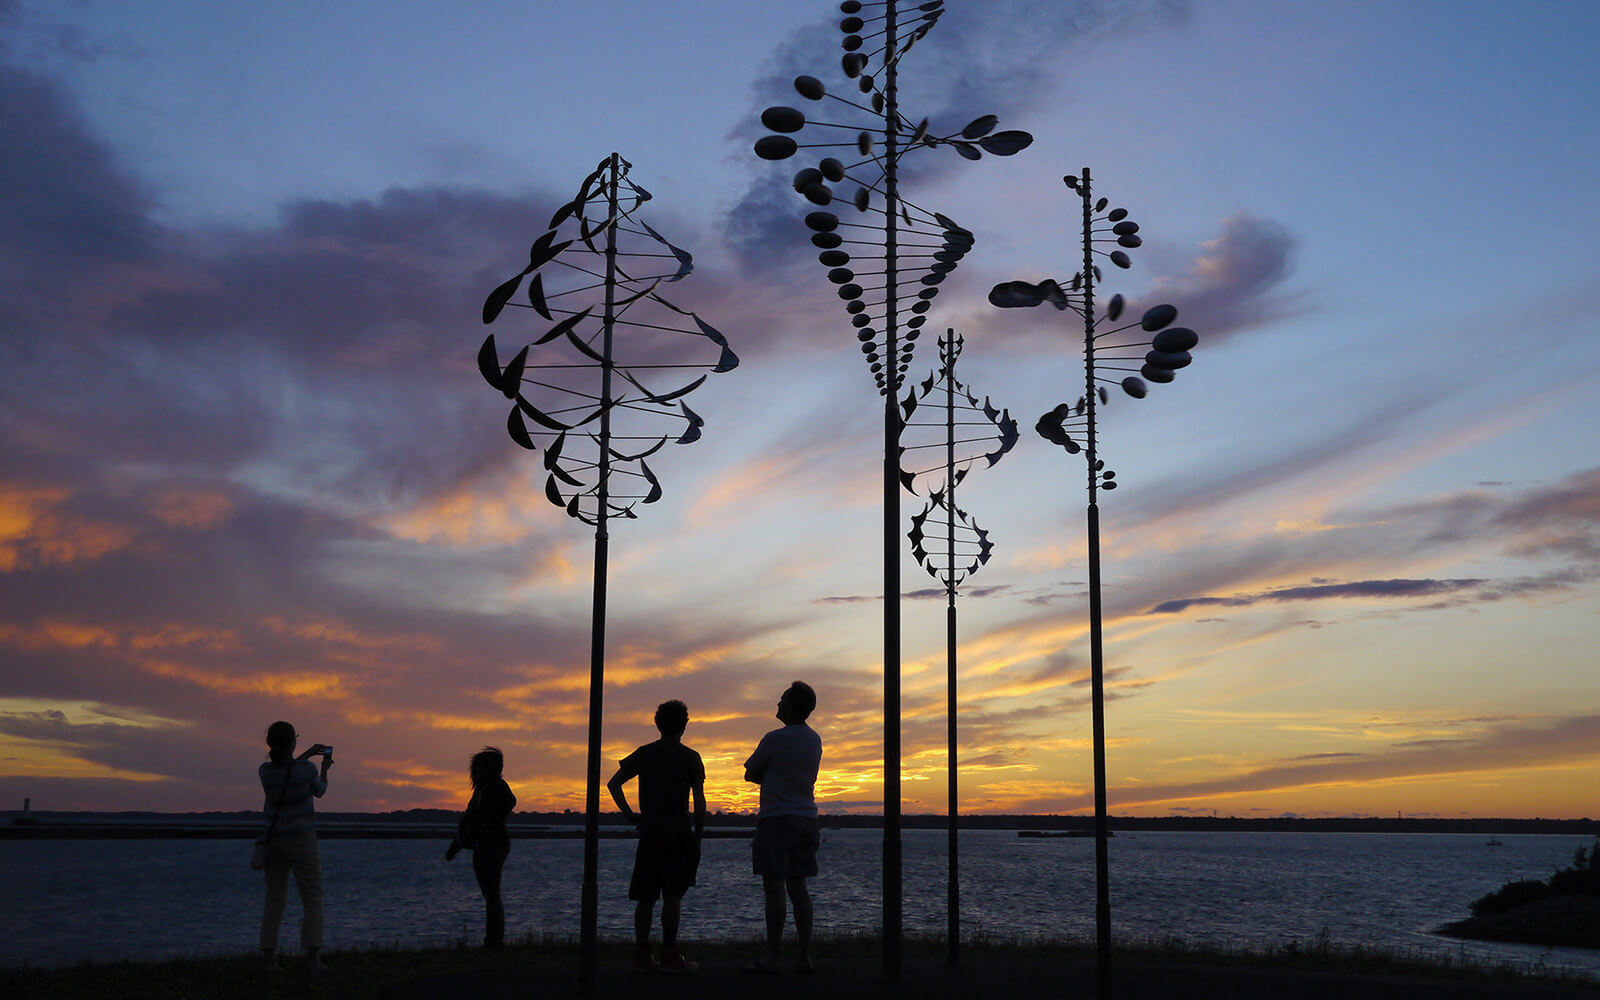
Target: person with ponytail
{"type": "Point", "coordinates": [290, 784]}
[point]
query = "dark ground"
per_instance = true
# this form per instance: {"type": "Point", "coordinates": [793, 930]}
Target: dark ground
{"type": "Point", "coordinates": [986, 977]}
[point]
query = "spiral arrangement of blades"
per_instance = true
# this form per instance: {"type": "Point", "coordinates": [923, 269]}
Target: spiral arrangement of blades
{"type": "Point", "coordinates": [889, 256]}
{"type": "Point", "coordinates": [937, 453]}
{"type": "Point", "coordinates": [590, 397]}
{"type": "Point", "coordinates": [1156, 359]}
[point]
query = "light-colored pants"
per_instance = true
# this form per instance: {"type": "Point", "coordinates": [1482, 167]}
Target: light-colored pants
{"type": "Point", "coordinates": [295, 852]}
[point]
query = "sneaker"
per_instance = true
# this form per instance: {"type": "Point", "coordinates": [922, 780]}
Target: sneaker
{"type": "Point", "coordinates": [643, 961]}
{"type": "Point", "coordinates": [673, 961]}
{"type": "Point", "coordinates": [269, 962]}
{"type": "Point", "coordinates": [316, 966]}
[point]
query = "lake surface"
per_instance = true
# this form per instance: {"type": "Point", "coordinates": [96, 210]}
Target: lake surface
{"type": "Point", "coordinates": [66, 901]}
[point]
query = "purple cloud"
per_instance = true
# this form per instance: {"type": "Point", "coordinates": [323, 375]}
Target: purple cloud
{"type": "Point", "coordinates": [1385, 589]}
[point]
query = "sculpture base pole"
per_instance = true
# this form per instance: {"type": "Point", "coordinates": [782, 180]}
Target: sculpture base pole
{"type": "Point", "coordinates": [590, 917]}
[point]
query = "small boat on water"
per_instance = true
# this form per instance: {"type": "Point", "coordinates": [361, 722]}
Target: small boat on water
{"type": "Point", "coordinates": [1493, 842]}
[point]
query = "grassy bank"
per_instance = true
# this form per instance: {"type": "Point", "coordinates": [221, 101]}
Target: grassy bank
{"type": "Point", "coordinates": [366, 972]}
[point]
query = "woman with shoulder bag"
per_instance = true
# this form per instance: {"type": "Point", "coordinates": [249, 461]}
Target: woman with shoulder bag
{"type": "Point", "coordinates": [290, 844]}
{"type": "Point", "coordinates": [482, 830]}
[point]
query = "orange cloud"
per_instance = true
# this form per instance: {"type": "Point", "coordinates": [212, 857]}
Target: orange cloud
{"type": "Point", "coordinates": [25, 758]}
{"type": "Point", "coordinates": [493, 508]}
{"type": "Point", "coordinates": [77, 635]}
{"type": "Point", "coordinates": [303, 684]}
{"type": "Point", "coordinates": [34, 531]}
{"type": "Point", "coordinates": [340, 641]}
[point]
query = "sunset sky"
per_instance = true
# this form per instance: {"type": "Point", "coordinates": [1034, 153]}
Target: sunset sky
{"type": "Point", "coordinates": [249, 471]}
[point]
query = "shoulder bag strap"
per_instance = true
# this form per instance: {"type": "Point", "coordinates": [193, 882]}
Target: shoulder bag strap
{"type": "Point", "coordinates": [289, 771]}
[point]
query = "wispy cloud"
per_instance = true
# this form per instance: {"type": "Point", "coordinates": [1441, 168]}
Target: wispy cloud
{"type": "Point", "coordinates": [1384, 589]}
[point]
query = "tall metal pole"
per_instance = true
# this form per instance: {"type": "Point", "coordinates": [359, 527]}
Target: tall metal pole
{"type": "Point", "coordinates": [590, 916]}
{"type": "Point", "coordinates": [891, 531]}
{"type": "Point", "coordinates": [953, 902]}
{"type": "Point", "coordinates": [1102, 830]}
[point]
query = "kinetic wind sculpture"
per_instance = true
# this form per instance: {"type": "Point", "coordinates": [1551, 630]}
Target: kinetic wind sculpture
{"type": "Point", "coordinates": [575, 406]}
{"type": "Point", "coordinates": [1156, 359]}
{"type": "Point", "coordinates": [960, 549]}
{"type": "Point", "coordinates": [909, 250]}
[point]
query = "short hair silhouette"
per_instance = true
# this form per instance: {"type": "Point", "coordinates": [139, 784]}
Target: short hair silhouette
{"type": "Point", "coordinates": [487, 765]}
{"type": "Point", "coordinates": [280, 742]}
{"type": "Point", "coordinates": [672, 717]}
{"type": "Point", "coordinates": [802, 698]}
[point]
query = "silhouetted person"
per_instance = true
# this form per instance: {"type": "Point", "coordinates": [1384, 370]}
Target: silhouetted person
{"type": "Point", "coordinates": [669, 847]}
{"type": "Point", "coordinates": [784, 850]}
{"type": "Point", "coordinates": [290, 784]}
{"type": "Point", "coordinates": [482, 831]}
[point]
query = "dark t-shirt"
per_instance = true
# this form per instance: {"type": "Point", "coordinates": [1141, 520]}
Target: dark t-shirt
{"type": "Point", "coordinates": [486, 814]}
{"type": "Point", "coordinates": [666, 772]}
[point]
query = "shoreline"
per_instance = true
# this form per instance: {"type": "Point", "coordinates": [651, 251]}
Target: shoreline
{"type": "Point", "coordinates": [849, 967]}
{"type": "Point", "coordinates": [1567, 921]}
{"type": "Point", "coordinates": [434, 823]}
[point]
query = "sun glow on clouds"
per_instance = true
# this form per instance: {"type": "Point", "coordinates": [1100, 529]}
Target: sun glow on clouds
{"type": "Point", "coordinates": [35, 531]}
{"type": "Point", "coordinates": [41, 759]}
{"type": "Point", "coordinates": [30, 747]}
{"type": "Point", "coordinates": [79, 635]}
{"type": "Point", "coordinates": [302, 684]}
{"type": "Point", "coordinates": [498, 507]}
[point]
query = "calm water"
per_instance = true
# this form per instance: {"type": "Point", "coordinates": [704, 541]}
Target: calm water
{"type": "Point", "coordinates": [64, 901]}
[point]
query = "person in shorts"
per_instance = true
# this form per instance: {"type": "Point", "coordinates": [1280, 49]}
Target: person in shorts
{"type": "Point", "coordinates": [669, 845]}
{"type": "Point", "coordinates": [784, 850]}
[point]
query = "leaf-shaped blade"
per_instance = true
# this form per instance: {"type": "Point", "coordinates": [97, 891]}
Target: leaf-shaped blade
{"type": "Point", "coordinates": [489, 362]}
{"type": "Point", "coordinates": [552, 451]}
{"type": "Point", "coordinates": [583, 348]}
{"type": "Point", "coordinates": [553, 494]}
{"type": "Point", "coordinates": [561, 214]}
{"type": "Point", "coordinates": [543, 251]}
{"type": "Point", "coordinates": [710, 331]}
{"type": "Point", "coordinates": [519, 430]}
{"type": "Point", "coordinates": [563, 475]}
{"type": "Point", "coordinates": [536, 297]}
{"type": "Point", "coordinates": [499, 297]}
{"type": "Point", "coordinates": [691, 433]}
{"type": "Point", "coordinates": [670, 396]}
{"type": "Point", "coordinates": [655, 484]}
{"type": "Point", "coordinates": [564, 326]}
{"type": "Point", "coordinates": [540, 417]}
{"type": "Point", "coordinates": [660, 443]}
{"type": "Point", "coordinates": [511, 381]}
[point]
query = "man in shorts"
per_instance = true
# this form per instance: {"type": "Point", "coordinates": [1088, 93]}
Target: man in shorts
{"type": "Point", "coordinates": [784, 851]}
{"type": "Point", "coordinates": [669, 847]}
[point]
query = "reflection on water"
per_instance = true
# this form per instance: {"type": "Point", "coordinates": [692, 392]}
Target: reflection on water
{"type": "Point", "coordinates": [71, 900]}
